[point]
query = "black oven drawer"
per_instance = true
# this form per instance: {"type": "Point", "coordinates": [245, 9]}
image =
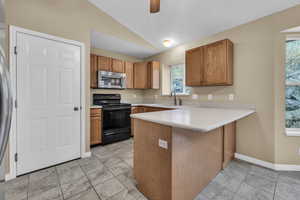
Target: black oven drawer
{"type": "Point", "coordinates": [114, 135]}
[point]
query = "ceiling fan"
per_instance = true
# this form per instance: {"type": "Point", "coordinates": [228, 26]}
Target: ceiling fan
{"type": "Point", "coordinates": [154, 6]}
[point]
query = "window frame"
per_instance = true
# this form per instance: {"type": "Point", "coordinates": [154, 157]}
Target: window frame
{"type": "Point", "coordinates": [290, 131]}
{"type": "Point", "coordinates": [185, 93]}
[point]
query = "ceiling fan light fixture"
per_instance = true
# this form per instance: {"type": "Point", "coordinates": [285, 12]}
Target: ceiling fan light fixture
{"type": "Point", "coordinates": [167, 43]}
{"type": "Point", "coordinates": [154, 6]}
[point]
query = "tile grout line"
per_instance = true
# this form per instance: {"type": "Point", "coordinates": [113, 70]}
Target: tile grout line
{"type": "Point", "coordinates": [59, 183]}
{"type": "Point", "coordinates": [28, 188]}
{"type": "Point", "coordinates": [274, 193]}
{"type": "Point", "coordinates": [114, 176]}
{"type": "Point", "coordinates": [90, 182]}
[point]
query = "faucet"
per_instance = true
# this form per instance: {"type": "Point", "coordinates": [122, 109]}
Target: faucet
{"type": "Point", "coordinates": [173, 94]}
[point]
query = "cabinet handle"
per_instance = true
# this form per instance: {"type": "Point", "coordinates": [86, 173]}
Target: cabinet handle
{"type": "Point", "coordinates": [76, 108]}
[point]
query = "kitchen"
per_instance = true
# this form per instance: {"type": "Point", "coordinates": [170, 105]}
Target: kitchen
{"type": "Point", "coordinates": [135, 103]}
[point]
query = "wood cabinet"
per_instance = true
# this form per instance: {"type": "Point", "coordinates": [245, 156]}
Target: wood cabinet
{"type": "Point", "coordinates": [143, 109]}
{"type": "Point", "coordinates": [147, 75]}
{"type": "Point", "coordinates": [154, 74]}
{"type": "Point", "coordinates": [141, 75]}
{"type": "Point", "coordinates": [194, 66]}
{"type": "Point", "coordinates": [104, 63]}
{"type": "Point", "coordinates": [129, 74]}
{"type": "Point", "coordinates": [218, 61]}
{"type": "Point", "coordinates": [117, 66]}
{"type": "Point", "coordinates": [210, 65]}
{"type": "Point", "coordinates": [96, 126]}
{"type": "Point", "coordinates": [93, 70]}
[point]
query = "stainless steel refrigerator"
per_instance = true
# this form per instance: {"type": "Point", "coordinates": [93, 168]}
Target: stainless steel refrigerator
{"type": "Point", "coordinates": [5, 98]}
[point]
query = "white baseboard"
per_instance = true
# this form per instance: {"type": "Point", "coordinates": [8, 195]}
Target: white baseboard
{"type": "Point", "coordinates": [277, 167]}
{"type": "Point", "coordinates": [86, 154]}
{"type": "Point", "coordinates": [9, 177]}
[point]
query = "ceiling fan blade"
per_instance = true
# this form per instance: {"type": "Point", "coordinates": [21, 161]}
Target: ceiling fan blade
{"type": "Point", "coordinates": [154, 6]}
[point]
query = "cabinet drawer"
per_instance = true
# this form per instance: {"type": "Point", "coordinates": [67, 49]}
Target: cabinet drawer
{"type": "Point", "coordinates": [95, 112]}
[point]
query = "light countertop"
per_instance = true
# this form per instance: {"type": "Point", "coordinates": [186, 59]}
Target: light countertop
{"type": "Point", "coordinates": [95, 106]}
{"type": "Point", "coordinates": [195, 118]}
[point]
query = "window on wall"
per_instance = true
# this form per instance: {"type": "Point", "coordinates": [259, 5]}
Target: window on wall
{"type": "Point", "coordinates": [177, 79]}
{"type": "Point", "coordinates": [292, 85]}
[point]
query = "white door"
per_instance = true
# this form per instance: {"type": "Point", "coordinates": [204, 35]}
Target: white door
{"type": "Point", "coordinates": [48, 90]}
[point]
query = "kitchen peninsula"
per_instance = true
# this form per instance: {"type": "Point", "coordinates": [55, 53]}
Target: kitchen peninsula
{"type": "Point", "coordinates": [178, 152]}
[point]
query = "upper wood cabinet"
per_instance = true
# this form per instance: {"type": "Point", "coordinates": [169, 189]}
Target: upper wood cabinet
{"type": "Point", "coordinates": [129, 74]}
{"type": "Point", "coordinates": [218, 63]}
{"type": "Point", "coordinates": [210, 65]}
{"type": "Point", "coordinates": [153, 74]}
{"type": "Point", "coordinates": [93, 71]}
{"type": "Point", "coordinates": [194, 66]}
{"type": "Point", "coordinates": [146, 75]}
{"type": "Point", "coordinates": [118, 66]}
{"type": "Point", "coordinates": [104, 63]}
{"type": "Point", "coordinates": [141, 75]}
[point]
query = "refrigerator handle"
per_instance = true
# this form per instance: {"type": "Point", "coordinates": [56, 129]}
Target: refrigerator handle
{"type": "Point", "coordinates": [6, 106]}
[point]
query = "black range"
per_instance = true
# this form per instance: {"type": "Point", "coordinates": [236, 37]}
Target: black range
{"type": "Point", "coordinates": [116, 123]}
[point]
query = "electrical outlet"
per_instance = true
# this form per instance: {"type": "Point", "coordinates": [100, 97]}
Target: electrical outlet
{"type": "Point", "coordinates": [231, 97]}
{"type": "Point", "coordinates": [134, 96]}
{"type": "Point", "coordinates": [210, 97]}
{"type": "Point", "coordinates": [195, 96]}
{"type": "Point", "coordinates": [163, 144]}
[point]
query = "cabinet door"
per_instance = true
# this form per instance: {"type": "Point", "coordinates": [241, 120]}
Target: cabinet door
{"type": "Point", "coordinates": [96, 127]}
{"type": "Point", "coordinates": [117, 65]}
{"type": "Point", "coordinates": [94, 68]}
{"type": "Point", "coordinates": [194, 66]}
{"type": "Point", "coordinates": [104, 63]}
{"type": "Point", "coordinates": [141, 75]}
{"type": "Point", "coordinates": [154, 74]}
{"type": "Point", "coordinates": [217, 70]}
{"type": "Point", "coordinates": [129, 74]}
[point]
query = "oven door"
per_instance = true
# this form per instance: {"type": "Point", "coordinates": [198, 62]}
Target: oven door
{"type": "Point", "coordinates": [116, 124]}
{"type": "Point", "coordinates": [116, 118]}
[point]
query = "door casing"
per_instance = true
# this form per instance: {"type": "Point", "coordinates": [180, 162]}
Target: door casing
{"type": "Point", "coordinates": [13, 30]}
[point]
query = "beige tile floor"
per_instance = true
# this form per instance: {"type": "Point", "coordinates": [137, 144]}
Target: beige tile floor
{"type": "Point", "coordinates": [107, 175]}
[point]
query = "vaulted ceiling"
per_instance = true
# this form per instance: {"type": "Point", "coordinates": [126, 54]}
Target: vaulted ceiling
{"type": "Point", "coordinates": [187, 20]}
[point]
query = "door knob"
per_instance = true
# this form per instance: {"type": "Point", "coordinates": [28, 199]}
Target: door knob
{"type": "Point", "coordinates": [76, 108]}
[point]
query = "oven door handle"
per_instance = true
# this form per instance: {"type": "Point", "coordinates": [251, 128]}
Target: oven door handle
{"type": "Point", "coordinates": [116, 109]}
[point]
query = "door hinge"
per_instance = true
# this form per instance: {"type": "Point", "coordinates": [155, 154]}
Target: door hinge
{"type": "Point", "coordinates": [15, 50]}
{"type": "Point", "coordinates": [16, 104]}
{"type": "Point", "coordinates": [16, 157]}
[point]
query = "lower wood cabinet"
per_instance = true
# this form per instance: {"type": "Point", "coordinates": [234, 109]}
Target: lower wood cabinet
{"type": "Point", "coordinates": [143, 109]}
{"type": "Point", "coordinates": [96, 126]}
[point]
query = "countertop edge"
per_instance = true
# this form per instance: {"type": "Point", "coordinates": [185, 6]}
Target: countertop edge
{"type": "Point", "coordinates": [192, 127]}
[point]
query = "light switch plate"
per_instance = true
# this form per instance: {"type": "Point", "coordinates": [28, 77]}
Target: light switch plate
{"type": "Point", "coordinates": [210, 97]}
{"type": "Point", "coordinates": [163, 144]}
{"type": "Point", "coordinates": [231, 97]}
{"type": "Point", "coordinates": [195, 96]}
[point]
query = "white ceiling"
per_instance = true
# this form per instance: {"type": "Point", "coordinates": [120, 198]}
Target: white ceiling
{"type": "Point", "coordinates": [187, 20]}
{"type": "Point", "coordinates": [111, 43]}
